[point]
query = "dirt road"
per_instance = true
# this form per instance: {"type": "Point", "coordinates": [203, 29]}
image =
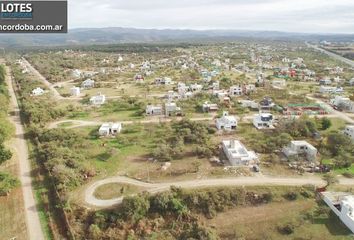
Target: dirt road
{"type": "Point", "coordinates": [91, 200]}
{"type": "Point", "coordinates": [32, 218]}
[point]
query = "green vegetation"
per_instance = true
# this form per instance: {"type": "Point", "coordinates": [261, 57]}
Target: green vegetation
{"type": "Point", "coordinates": [7, 183]}
{"type": "Point", "coordinates": [115, 190]}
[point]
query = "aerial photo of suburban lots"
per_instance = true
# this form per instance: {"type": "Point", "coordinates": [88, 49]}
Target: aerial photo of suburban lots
{"type": "Point", "coordinates": [180, 133]}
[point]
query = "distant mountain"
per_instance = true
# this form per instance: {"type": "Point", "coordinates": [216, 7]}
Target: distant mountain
{"type": "Point", "coordinates": [86, 36]}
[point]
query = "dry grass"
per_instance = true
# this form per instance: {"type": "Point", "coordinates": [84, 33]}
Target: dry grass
{"type": "Point", "coordinates": [115, 190]}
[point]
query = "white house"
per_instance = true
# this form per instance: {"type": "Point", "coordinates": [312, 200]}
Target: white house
{"type": "Point", "coordinates": [153, 110]}
{"type": "Point", "coordinates": [249, 104]}
{"type": "Point", "coordinates": [325, 82]}
{"type": "Point", "coordinates": [332, 90]}
{"type": "Point", "coordinates": [210, 107]}
{"type": "Point", "coordinates": [263, 121]}
{"type": "Point", "coordinates": [76, 73]}
{"type": "Point", "coordinates": [110, 129]}
{"type": "Point", "coordinates": [171, 109]}
{"type": "Point", "coordinates": [349, 131]}
{"type": "Point", "coordinates": [237, 154]}
{"type": "Point", "coordinates": [351, 82]}
{"type": "Point", "coordinates": [226, 122]}
{"type": "Point", "coordinates": [37, 91]}
{"type": "Point", "coordinates": [75, 91]}
{"type": "Point", "coordinates": [342, 204]}
{"type": "Point", "coordinates": [235, 91]}
{"type": "Point", "coordinates": [98, 100]}
{"type": "Point", "coordinates": [163, 81]}
{"type": "Point", "coordinates": [88, 83]}
{"type": "Point", "coordinates": [297, 148]}
{"type": "Point", "coordinates": [343, 103]}
{"type": "Point", "coordinates": [196, 87]}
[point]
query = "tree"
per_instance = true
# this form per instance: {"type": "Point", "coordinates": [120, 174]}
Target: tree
{"type": "Point", "coordinates": [330, 179]}
{"type": "Point", "coordinates": [326, 123]}
{"type": "Point", "coordinates": [4, 154]}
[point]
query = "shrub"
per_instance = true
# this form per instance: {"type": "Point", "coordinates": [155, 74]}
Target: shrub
{"type": "Point", "coordinates": [291, 196]}
{"type": "Point", "coordinates": [287, 229]}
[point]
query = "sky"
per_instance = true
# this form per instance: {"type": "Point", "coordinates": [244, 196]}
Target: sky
{"type": "Point", "coordinates": [306, 16]}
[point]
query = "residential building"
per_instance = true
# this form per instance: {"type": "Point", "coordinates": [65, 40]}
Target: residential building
{"type": "Point", "coordinates": [235, 91]}
{"type": "Point", "coordinates": [279, 83]}
{"type": "Point", "coordinates": [76, 73]}
{"type": "Point", "coordinates": [351, 82]}
{"type": "Point", "coordinates": [171, 109]}
{"type": "Point", "coordinates": [196, 87]}
{"type": "Point", "coordinates": [37, 91]}
{"type": "Point", "coordinates": [331, 90]}
{"type": "Point", "coordinates": [237, 154]}
{"type": "Point", "coordinates": [88, 83]}
{"type": "Point", "coordinates": [342, 204]}
{"type": "Point", "coordinates": [75, 91]}
{"type": "Point", "coordinates": [226, 122]}
{"type": "Point", "coordinates": [343, 103]}
{"type": "Point", "coordinates": [153, 110]}
{"type": "Point", "coordinates": [163, 81]}
{"type": "Point", "coordinates": [299, 148]}
{"type": "Point", "coordinates": [249, 104]}
{"type": "Point", "coordinates": [325, 82]}
{"type": "Point", "coordinates": [210, 107]}
{"type": "Point", "coordinates": [263, 121]}
{"type": "Point", "coordinates": [349, 131]}
{"type": "Point", "coordinates": [139, 78]}
{"type": "Point", "coordinates": [266, 103]}
{"type": "Point", "coordinates": [98, 100]}
{"type": "Point", "coordinates": [110, 129]}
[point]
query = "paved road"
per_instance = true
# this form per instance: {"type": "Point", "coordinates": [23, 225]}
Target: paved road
{"type": "Point", "coordinates": [32, 218]}
{"type": "Point", "coordinates": [91, 200]}
{"type": "Point", "coordinates": [331, 54]}
{"type": "Point", "coordinates": [55, 92]}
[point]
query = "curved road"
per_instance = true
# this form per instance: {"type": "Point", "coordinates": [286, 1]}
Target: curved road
{"type": "Point", "coordinates": [32, 217]}
{"type": "Point", "coordinates": [91, 200]}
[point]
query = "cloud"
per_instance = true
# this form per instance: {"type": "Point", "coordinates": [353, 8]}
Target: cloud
{"type": "Point", "coordinates": [282, 15]}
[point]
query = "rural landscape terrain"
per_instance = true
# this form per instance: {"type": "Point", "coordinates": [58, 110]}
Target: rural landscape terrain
{"type": "Point", "coordinates": [242, 138]}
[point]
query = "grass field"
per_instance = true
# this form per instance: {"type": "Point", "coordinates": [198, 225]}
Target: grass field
{"type": "Point", "coordinates": [115, 190]}
{"type": "Point", "coordinates": [261, 222]}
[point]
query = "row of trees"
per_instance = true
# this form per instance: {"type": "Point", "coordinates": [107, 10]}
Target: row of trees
{"type": "Point", "coordinates": [7, 181]}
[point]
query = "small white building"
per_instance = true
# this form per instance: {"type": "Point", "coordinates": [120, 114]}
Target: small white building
{"type": "Point", "coordinates": [196, 87]}
{"type": "Point", "coordinates": [75, 91]}
{"type": "Point", "coordinates": [226, 122]}
{"type": "Point", "coordinates": [237, 154]}
{"type": "Point", "coordinates": [110, 129]}
{"type": "Point", "coordinates": [210, 107]}
{"type": "Point", "coordinates": [76, 73]}
{"type": "Point", "coordinates": [343, 103]}
{"type": "Point", "coordinates": [139, 78]}
{"type": "Point", "coordinates": [88, 83]}
{"type": "Point", "coordinates": [263, 121]}
{"type": "Point", "coordinates": [249, 104]}
{"type": "Point", "coordinates": [325, 82]}
{"type": "Point", "coordinates": [37, 91]}
{"type": "Point", "coordinates": [100, 99]}
{"type": "Point", "coordinates": [349, 131]}
{"type": "Point", "coordinates": [351, 82]}
{"type": "Point", "coordinates": [153, 110]}
{"type": "Point", "coordinates": [331, 90]}
{"type": "Point", "coordinates": [171, 109]}
{"type": "Point", "coordinates": [342, 204]}
{"type": "Point", "coordinates": [298, 148]}
{"type": "Point", "coordinates": [235, 91]}
{"type": "Point", "coordinates": [163, 81]}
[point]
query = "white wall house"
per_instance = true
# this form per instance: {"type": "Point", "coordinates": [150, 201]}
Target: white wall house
{"type": "Point", "coordinates": [196, 87]}
{"type": "Point", "coordinates": [88, 83]}
{"type": "Point", "coordinates": [210, 107]}
{"type": "Point", "coordinates": [349, 131]}
{"type": "Point", "coordinates": [342, 204]}
{"type": "Point", "coordinates": [110, 129]}
{"type": "Point", "coordinates": [226, 122]}
{"type": "Point", "coordinates": [249, 104]}
{"type": "Point", "coordinates": [75, 91]}
{"type": "Point", "coordinates": [331, 90]}
{"type": "Point", "coordinates": [139, 78]}
{"type": "Point", "coordinates": [98, 100]}
{"type": "Point", "coordinates": [153, 110]}
{"type": "Point", "coordinates": [37, 91]}
{"type": "Point", "coordinates": [263, 121]}
{"type": "Point", "coordinates": [351, 82]}
{"type": "Point", "coordinates": [298, 148]}
{"type": "Point", "coordinates": [76, 73]}
{"type": "Point", "coordinates": [171, 109]}
{"type": "Point", "coordinates": [235, 91]}
{"type": "Point", "coordinates": [325, 82]}
{"type": "Point", "coordinates": [237, 154]}
{"type": "Point", "coordinates": [343, 103]}
{"type": "Point", "coordinates": [163, 81]}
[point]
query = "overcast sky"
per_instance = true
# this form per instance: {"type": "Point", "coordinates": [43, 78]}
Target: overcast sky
{"type": "Point", "coordinates": [325, 16]}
